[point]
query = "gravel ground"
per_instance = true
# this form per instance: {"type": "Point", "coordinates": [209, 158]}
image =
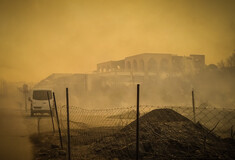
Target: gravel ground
{"type": "Point", "coordinates": [164, 134]}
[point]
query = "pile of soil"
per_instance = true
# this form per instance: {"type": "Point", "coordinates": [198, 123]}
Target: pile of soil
{"type": "Point", "coordinates": [164, 134]}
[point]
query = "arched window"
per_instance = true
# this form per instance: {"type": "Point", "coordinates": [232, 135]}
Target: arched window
{"type": "Point", "coordinates": [141, 65]}
{"type": "Point", "coordinates": [109, 69]}
{"type": "Point", "coordinates": [152, 65]}
{"type": "Point", "coordinates": [164, 65]}
{"type": "Point", "coordinates": [135, 67]}
{"type": "Point", "coordinates": [99, 69]}
{"type": "Point", "coordinates": [128, 66]}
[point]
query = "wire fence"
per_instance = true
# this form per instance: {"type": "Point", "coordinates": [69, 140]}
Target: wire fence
{"type": "Point", "coordinates": [166, 132]}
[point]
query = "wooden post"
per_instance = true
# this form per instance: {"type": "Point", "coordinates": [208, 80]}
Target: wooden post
{"type": "Point", "coordinates": [51, 112]}
{"type": "Point", "coordinates": [39, 125]}
{"type": "Point", "coordinates": [68, 128]}
{"type": "Point", "coordinates": [58, 122]}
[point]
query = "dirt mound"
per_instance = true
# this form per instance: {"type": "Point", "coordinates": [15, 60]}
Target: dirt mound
{"type": "Point", "coordinates": [164, 134]}
{"type": "Point", "coordinates": [164, 115]}
{"type": "Point", "coordinates": [158, 116]}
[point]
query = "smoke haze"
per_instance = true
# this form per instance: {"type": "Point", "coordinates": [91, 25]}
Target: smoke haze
{"type": "Point", "coordinates": [39, 37]}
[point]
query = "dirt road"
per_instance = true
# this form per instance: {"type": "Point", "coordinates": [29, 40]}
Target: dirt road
{"type": "Point", "coordinates": [14, 137]}
{"type": "Point", "coordinates": [15, 128]}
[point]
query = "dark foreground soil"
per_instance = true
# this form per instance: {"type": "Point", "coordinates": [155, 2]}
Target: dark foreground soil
{"type": "Point", "coordinates": [164, 134]}
{"type": "Point", "coordinates": [46, 147]}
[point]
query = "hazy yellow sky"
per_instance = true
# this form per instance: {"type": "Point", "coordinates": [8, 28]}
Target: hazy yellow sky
{"type": "Point", "coordinates": [40, 37]}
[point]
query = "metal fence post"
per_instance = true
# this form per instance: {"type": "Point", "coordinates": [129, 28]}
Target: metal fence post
{"type": "Point", "coordinates": [68, 129]}
{"type": "Point", "coordinates": [58, 122]}
{"type": "Point", "coordinates": [51, 112]}
{"type": "Point", "coordinates": [39, 125]}
{"type": "Point", "coordinates": [137, 123]}
{"type": "Point", "coordinates": [193, 103]}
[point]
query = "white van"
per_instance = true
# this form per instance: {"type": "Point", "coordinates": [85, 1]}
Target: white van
{"type": "Point", "coordinates": [39, 101]}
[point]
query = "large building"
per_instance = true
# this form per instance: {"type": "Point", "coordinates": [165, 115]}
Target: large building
{"type": "Point", "coordinates": [127, 72]}
{"type": "Point", "coordinates": [154, 63]}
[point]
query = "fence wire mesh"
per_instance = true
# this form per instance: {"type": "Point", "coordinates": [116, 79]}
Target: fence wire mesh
{"type": "Point", "coordinates": [166, 132]}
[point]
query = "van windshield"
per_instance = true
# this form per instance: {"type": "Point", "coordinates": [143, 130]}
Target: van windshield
{"type": "Point", "coordinates": [42, 94]}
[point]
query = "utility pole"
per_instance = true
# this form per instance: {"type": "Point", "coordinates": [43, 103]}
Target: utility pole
{"type": "Point", "coordinates": [25, 92]}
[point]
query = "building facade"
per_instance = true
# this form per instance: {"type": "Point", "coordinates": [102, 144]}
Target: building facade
{"type": "Point", "coordinates": [154, 63]}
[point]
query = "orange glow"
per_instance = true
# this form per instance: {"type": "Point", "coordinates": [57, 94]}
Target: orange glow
{"type": "Point", "coordinates": [40, 37]}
